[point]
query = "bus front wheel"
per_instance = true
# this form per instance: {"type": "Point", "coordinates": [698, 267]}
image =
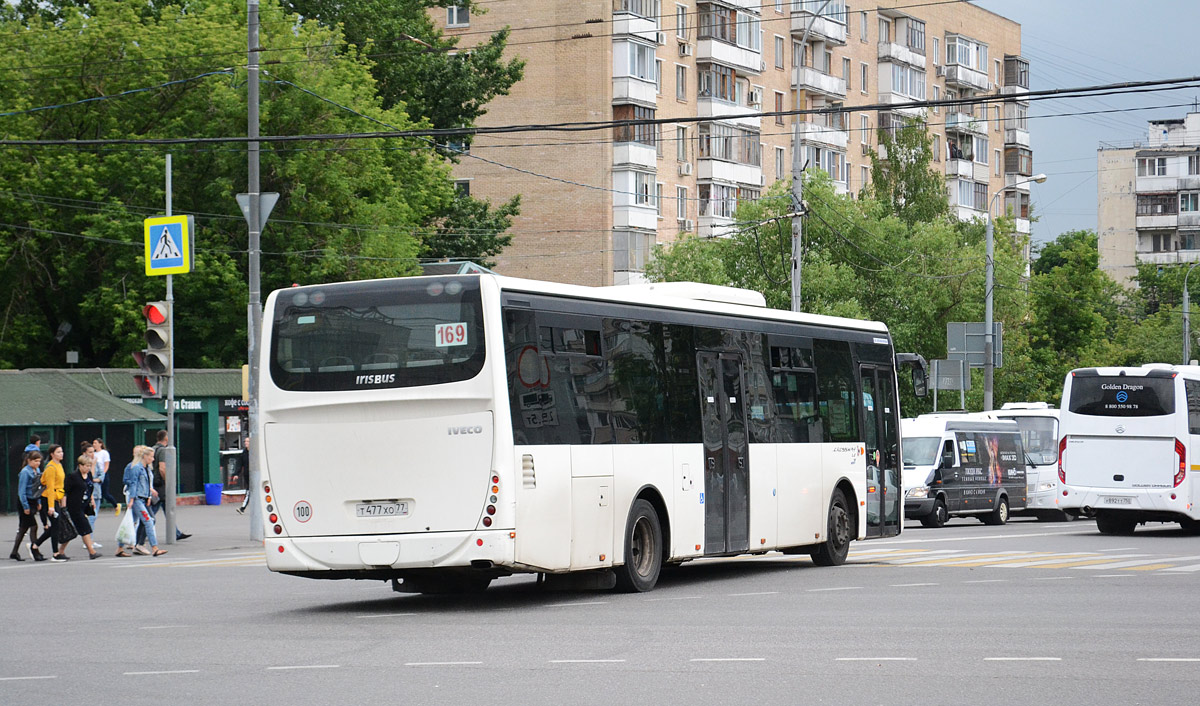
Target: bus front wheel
{"type": "Point", "coordinates": [835, 548]}
{"type": "Point", "coordinates": [643, 549]}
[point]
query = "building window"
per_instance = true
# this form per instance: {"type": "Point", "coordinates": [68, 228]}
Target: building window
{"type": "Point", "coordinates": [961, 51]}
{"type": "Point", "coordinates": [885, 31]}
{"type": "Point", "coordinates": [997, 160]}
{"type": "Point", "coordinates": [681, 151]}
{"type": "Point", "coordinates": [640, 61]}
{"type": "Point", "coordinates": [1189, 202]}
{"type": "Point", "coordinates": [681, 201]}
{"type": "Point", "coordinates": [780, 162]}
{"type": "Point", "coordinates": [864, 129]}
{"type": "Point", "coordinates": [981, 196]}
{"type": "Point", "coordinates": [778, 52]}
{"type": "Point", "coordinates": [936, 97]}
{"type": "Point", "coordinates": [1018, 160]}
{"type": "Point", "coordinates": [658, 198]}
{"type": "Point", "coordinates": [907, 81]}
{"type": "Point", "coordinates": [631, 250]}
{"type": "Point", "coordinates": [937, 148]}
{"type": "Point", "coordinates": [937, 51]}
{"type": "Point", "coordinates": [457, 16]}
{"type": "Point", "coordinates": [915, 36]}
{"type": "Point", "coordinates": [643, 188]}
{"type": "Point", "coordinates": [779, 5]}
{"type": "Point", "coordinates": [1156, 204]}
{"type": "Point", "coordinates": [641, 132]}
{"type": "Point", "coordinates": [865, 173]}
{"type": "Point", "coordinates": [981, 151]}
{"type": "Point", "coordinates": [864, 71]}
{"type": "Point", "coordinates": [862, 26]}
{"type": "Point", "coordinates": [797, 55]}
{"type": "Point", "coordinates": [658, 76]}
{"type": "Point", "coordinates": [681, 26]}
{"type": "Point", "coordinates": [726, 25]}
{"type": "Point", "coordinates": [719, 82]}
{"type": "Point", "coordinates": [846, 73]}
{"type": "Point", "coordinates": [966, 194]}
{"type": "Point", "coordinates": [1016, 203]}
{"type": "Point", "coordinates": [730, 144]}
{"type": "Point", "coordinates": [462, 187]}
{"type": "Point", "coordinates": [680, 82]}
{"type": "Point", "coordinates": [1152, 166]}
{"type": "Point", "coordinates": [830, 161]}
{"type": "Point", "coordinates": [999, 73]}
{"type": "Point", "coordinates": [717, 200]}
{"type": "Point", "coordinates": [778, 108]}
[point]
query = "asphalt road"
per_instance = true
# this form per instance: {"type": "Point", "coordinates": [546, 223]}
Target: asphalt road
{"type": "Point", "coordinates": [1029, 613]}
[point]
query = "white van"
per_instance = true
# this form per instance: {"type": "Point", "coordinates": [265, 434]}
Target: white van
{"type": "Point", "coordinates": [959, 465]}
{"type": "Point", "coordinates": [1038, 422]}
{"type": "Point", "coordinates": [1126, 437]}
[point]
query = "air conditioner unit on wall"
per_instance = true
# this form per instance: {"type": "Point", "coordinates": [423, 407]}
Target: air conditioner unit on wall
{"type": "Point", "coordinates": [688, 225]}
{"type": "Point", "coordinates": [754, 98]}
{"type": "Point", "coordinates": [685, 168]}
{"type": "Point", "coordinates": [866, 149]}
{"type": "Point", "coordinates": [940, 71]}
{"type": "Point", "coordinates": [685, 49]}
{"type": "Point", "coordinates": [661, 37]}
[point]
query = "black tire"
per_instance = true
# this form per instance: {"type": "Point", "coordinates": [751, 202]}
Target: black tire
{"type": "Point", "coordinates": [1114, 524]}
{"type": "Point", "coordinates": [1190, 526]}
{"type": "Point", "coordinates": [938, 517]}
{"type": "Point", "coordinates": [1055, 516]}
{"type": "Point", "coordinates": [448, 585]}
{"type": "Point", "coordinates": [835, 548]}
{"type": "Point", "coordinates": [643, 549]}
{"type": "Point", "coordinates": [998, 516]}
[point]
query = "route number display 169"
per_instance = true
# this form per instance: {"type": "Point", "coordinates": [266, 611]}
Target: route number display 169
{"type": "Point", "coordinates": [450, 335]}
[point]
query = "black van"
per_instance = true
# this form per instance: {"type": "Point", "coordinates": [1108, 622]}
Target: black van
{"type": "Point", "coordinates": [957, 467]}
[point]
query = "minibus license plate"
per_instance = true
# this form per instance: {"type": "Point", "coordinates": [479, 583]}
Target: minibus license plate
{"type": "Point", "coordinates": [1118, 500]}
{"type": "Point", "coordinates": [399, 509]}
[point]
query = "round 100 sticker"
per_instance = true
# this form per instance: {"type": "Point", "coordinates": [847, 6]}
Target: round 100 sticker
{"type": "Point", "coordinates": [302, 511]}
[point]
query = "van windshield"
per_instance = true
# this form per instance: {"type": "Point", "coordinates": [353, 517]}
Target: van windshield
{"type": "Point", "coordinates": [1122, 396]}
{"type": "Point", "coordinates": [921, 450]}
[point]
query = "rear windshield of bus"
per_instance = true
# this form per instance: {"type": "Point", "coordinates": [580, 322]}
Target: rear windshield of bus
{"type": "Point", "coordinates": [381, 334]}
{"type": "Point", "coordinates": [1039, 435]}
{"type": "Point", "coordinates": [1122, 396]}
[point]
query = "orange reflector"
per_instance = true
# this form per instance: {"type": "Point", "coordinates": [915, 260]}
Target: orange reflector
{"type": "Point", "coordinates": [601, 557]}
{"type": "Point", "coordinates": [268, 498]}
{"type": "Point", "coordinates": [697, 547]}
{"type": "Point", "coordinates": [871, 489]}
{"type": "Point", "coordinates": [763, 540]}
{"type": "Point", "coordinates": [512, 535]}
{"type": "Point", "coordinates": [495, 489]}
{"type": "Point", "coordinates": [862, 502]}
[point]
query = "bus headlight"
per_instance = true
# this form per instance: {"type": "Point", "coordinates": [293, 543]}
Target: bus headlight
{"type": "Point", "coordinates": [918, 492]}
{"type": "Point", "coordinates": [1045, 486]}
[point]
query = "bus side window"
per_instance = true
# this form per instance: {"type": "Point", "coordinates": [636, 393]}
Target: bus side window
{"type": "Point", "coordinates": [947, 454]}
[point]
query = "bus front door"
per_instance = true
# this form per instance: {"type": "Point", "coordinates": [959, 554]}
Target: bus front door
{"type": "Point", "coordinates": [726, 459]}
{"type": "Point", "coordinates": [881, 437]}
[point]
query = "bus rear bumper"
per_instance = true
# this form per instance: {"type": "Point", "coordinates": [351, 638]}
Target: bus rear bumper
{"type": "Point", "coordinates": [384, 554]}
{"type": "Point", "coordinates": [1091, 500]}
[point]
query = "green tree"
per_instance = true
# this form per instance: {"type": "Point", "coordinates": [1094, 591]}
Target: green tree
{"type": "Point", "coordinates": [902, 178]}
{"type": "Point", "coordinates": [71, 233]}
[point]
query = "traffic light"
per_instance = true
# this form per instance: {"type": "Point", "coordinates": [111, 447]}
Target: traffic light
{"type": "Point", "coordinates": [149, 386]}
{"type": "Point", "coordinates": [157, 354]}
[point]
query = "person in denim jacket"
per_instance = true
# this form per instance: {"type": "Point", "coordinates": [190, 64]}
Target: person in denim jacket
{"type": "Point", "coordinates": [28, 481]}
{"type": "Point", "coordinates": [139, 491]}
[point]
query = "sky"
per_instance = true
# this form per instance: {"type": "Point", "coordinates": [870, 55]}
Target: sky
{"type": "Point", "coordinates": [1072, 43]}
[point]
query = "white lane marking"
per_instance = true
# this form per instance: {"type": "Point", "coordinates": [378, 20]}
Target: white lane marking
{"type": "Point", "coordinates": [1022, 659]}
{"type": "Point", "coordinates": [384, 615]}
{"type": "Point", "coordinates": [757, 593]}
{"type": "Point", "coordinates": [987, 581]}
{"type": "Point", "coordinates": [960, 558]}
{"type": "Point", "coordinates": [876, 659]}
{"type": "Point", "coordinates": [1193, 567]}
{"type": "Point", "coordinates": [907, 585]}
{"type": "Point", "coordinates": [1067, 559]}
{"type": "Point", "coordinates": [971, 539]}
{"type": "Point", "coordinates": [1115, 576]}
{"type": "Point", "coordinates": [1140, 562]}
{"type": "Point", "coordinates": [585, 661]}
{"type": "Point", "coordinates": [1052, 578]}
{"type": "Point", "coordinates": [168, 671]}
{"type": "Point", "coordinates": [840, 588]}
{"type": "Point", "coordinates": [729, 659]}
{"type": "Point", "coordinates": [1169, 659]}
{"type": "Point", "coordinates": [438, 664]}
{"type": "Point", "coordinates": [575, 603]}
{"type": "Point", "coordinates": [162, 627]}
{"type": "Point", "coordinates": [26, 678]}
{"type": "Point", "coordinates": [903, 553]}
{"type": "Point", "coordinates": [673, 598]}
{"type": "Point", "coordinates": [305, 666]}
{"type": "Point", "coordinates": [1118, 549]}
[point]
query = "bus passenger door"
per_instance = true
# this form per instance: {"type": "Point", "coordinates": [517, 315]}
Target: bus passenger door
{"type": "Point", "coordinates": [880, 436]}
{"type": "Point", "coordinates": [726, 458]}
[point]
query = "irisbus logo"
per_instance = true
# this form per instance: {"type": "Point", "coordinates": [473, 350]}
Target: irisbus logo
{"type": "Point", "coordinates": [458, 431]}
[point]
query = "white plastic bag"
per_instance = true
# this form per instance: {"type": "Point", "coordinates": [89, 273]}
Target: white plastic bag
{"type": "Point", "coordinates": [126, 531]}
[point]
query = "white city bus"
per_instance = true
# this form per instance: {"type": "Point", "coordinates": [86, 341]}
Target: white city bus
{"type": "Point", "coordinates": [1038, 422]}
{"type": "Point", "coordinates": [1127, 437]}
{"type": "Point", "coordinates": [444, 431]}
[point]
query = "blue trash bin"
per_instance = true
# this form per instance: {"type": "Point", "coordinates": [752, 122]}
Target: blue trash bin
{"type": "Point", "coordinates": [212, 493]}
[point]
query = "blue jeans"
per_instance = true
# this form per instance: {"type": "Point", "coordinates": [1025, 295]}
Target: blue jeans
{"type": "Point", "coordinates": [145, 521]}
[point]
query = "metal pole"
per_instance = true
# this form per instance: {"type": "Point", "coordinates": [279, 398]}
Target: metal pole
{"type": "Point", "coordinates": [254, 308]}
{"type": "Point", "coordinates": [1187, 319]}
{"type": "Point", "coordinates": [935, 384]}
{"type": "Point", "coordinates": [963, 371]}
{"type": "Point", "coordinates": [797, 170]}
{"type": "Point", "coordinates": [988, 361]}
{"type": "Point", "coordinates": [169, 472]}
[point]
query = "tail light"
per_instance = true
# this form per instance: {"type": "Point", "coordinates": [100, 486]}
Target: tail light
{"type": "Point", "coordinates": [1062, 449]}
{"type": "Point", "coordinates": [1181, 451]}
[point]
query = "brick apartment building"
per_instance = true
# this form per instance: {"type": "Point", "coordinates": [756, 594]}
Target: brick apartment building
{"type": "Point", "coordinates": [1149, 199]}
{"type": "Point", "coordinates": [633, 188]}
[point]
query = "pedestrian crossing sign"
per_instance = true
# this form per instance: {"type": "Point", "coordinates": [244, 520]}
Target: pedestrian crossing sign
{"type": "Point", "coordinates": [169, 245]}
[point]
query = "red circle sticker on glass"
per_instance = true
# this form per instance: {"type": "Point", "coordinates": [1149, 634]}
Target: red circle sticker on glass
{"type": "Point", "coordinates": [302, 511]}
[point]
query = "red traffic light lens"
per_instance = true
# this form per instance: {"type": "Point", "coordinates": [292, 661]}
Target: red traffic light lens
{"type": "Point", "coordinates": [155, 314]}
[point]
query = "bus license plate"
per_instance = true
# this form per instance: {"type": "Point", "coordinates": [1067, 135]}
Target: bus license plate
{"type": "Point", "coordinates": [1118, 500]}
{"type": "Point", "coordinates": [399, 509]}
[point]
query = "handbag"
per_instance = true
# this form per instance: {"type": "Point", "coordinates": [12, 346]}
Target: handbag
{"type": "Point", "coordinates": [126, 532]}
{"type": "Point", "coordinates": [64, 529]}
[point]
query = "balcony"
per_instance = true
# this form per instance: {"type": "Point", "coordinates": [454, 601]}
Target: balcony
{"type": "Point", "coordinates": [821, 29]}
{"type": "Point", "coordinates": [1022, 225]}
{"type": "Point", "coordinates": [962, 122]}
{"type": "Point", "coordinates": [898, 53]}
{"type": "Point", "coordinates": [1163, 222]}
{"type": "Point", "coordinates": [1015, 91]}
{"type": "Point", "coordinates": [960, 169]}
{"type": "Point", "coordinates": [958, 76]}
{"type": "Point", "coordinates": [807, 133]}
{"type": "Point", "coordinates": [630, 89]}
{"type": "Point", "coordinates": [1017, 182]}
{"type": "Point", "coordinates": [1156, 184]}
{"type": "Point", "coordinates": [1017, 137]}
{"type": "Point", "coordinates": [1189, 183]}
{"type": "Point", "coordinates": [707, 107]}
{"type": "Point", "coordinates": [809, 79]}
{"type": "Point", "coordinates": [746, 61]}
{"type": "Point", "coordinates": [635, 154]}
{"type": "Point", "coordinates": [708, 169]}
{"type": "Point", "coordinates": [714, 226]}
{"type": "Point", "coordinates": [754, 6]}
{"type": "Point", "coordinates": [625, 23]}
{"type": "Point", "coordinates": [1189, 219]}
{"type": "Point", "coordinates": [1174, 257]}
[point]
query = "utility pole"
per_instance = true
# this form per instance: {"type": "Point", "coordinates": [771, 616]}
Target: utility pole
{"type": "Point", "coordinates": [798, 169]}
{"type": "Point", "coordinates": [254, 307]}
{"type": "Point", "coordinates": [169, 471]}
{"type": "Point", "coordinates": [1187, 317]}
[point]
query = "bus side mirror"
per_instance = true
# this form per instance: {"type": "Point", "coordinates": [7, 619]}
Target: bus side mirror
{"type": "Point", "coordinates": [920, 371]}
{"type": "Point", "coordinates": [920, 382]}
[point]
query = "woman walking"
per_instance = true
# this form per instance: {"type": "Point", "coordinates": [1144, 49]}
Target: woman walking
{"type": "Point", "coordinates": [53, 499]}
{"type": "Point", "coordinates": [78, 488]}
{"type": "Point", "coordinates": [28, 481]}
{"type": "Point", "coordinates": [139, 491]}
{"type": "Point", "coordinates": [100, 474]}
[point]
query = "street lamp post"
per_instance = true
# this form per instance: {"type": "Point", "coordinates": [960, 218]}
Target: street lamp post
{"type": "Point", "coordinates": [1187, 317]}
{"type": "Point", "coordinates": [989, 361]}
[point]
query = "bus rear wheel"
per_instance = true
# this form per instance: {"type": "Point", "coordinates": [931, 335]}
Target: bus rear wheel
{"type": "Point", "coordinates": [835, 548]}
{"type": "Point", "coordinates": [643, 549]}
